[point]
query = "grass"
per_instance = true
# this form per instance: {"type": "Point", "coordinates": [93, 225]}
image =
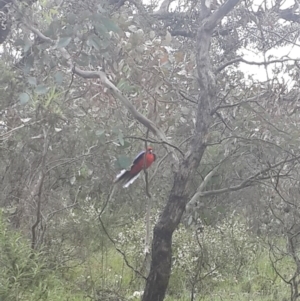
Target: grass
{"type": "Point", "coordinates": [103, 275]}
{"type": "Point", "coordinates": [107, 278]}
{"type": "Point", "coordinates": [257, 282]}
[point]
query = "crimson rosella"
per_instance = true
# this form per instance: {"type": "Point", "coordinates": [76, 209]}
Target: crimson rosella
{"type": "Point", "coordinates": [142, 161]}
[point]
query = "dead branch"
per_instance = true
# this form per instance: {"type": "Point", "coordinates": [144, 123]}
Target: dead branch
{"type": "Point", "coordinates": [241, 60]}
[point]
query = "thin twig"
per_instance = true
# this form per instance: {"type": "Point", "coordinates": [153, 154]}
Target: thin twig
{"type": "Point", "coordinates": [241, 60]}
{"type": "Point", "coordinates": [71, 82]}
{"type": "Point", "coordinates": [119, 250]}
{"type": "Point", "coordinates": [155, 142]}
{"type": "Point", "coordinates": [109, 197]}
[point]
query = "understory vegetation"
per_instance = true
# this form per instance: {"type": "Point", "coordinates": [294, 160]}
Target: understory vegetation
{"type": "Point", "coordinates": [224, 262]}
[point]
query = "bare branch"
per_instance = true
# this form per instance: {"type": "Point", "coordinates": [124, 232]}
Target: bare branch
{"type": "Point", "coordinates": [241, 60]}
{"type": "Point", "coordinates": [75, 202]}
{"type": "Point", "coordinates": [145, 170]}
{"type": "Point", "coordinates": [118, 249]}
{"type": "Point", "coordinates": [254, 99]}
{"type": "Point", "coordinates": [156, 142]}
{"type": "Point", "coordinates": [249, 181]}
{"type": "Point", "coordinates": [39, 34]}
{"type": "Point", "coordinates": [217, 16]}
{"type": "Point", "coordinates": [4, 2]}
{"type": "Point", "coordinates": [202, 186]}
{"type": "Point", "coordinates": [164, 7]}
{"type": "Point", "coordinates": [289, 15]}
{"type": "Point", "coordinates": [183, 33]}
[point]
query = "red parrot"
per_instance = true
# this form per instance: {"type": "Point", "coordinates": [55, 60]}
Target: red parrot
{"type": "Point", "coordinates": [142, 161]}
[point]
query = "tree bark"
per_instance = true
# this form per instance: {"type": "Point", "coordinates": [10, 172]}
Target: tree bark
{"type": "Point", "coordinates": [158, 279]}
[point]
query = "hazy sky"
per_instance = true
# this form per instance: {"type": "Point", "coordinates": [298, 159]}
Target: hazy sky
{"type": "Point", "coordinates": [259, 72]}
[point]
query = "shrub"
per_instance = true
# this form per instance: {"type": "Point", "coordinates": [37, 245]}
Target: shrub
{"type": "Point", "coordinates": [25, 274]}
{"type": "Point", "coordinates": [214, 255]}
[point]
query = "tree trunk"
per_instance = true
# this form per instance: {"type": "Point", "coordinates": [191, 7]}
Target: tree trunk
{"type": "Point", "coordinates": [158, 279]}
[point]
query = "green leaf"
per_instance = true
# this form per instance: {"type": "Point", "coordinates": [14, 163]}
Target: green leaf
{"type": "Point", "coordinates": [102, 140]}
{"type": "Point", "coordinates": [85, 14]}
{"type": "Point", "coordinates": [126, 144]}
{"type": "Point", "coordinates": [220, 209]}
{"type": "Point", "coordinates": [19, 42]}
{"type": "Point", "coordinates": [51, 63]}
{"type": "Point", "coordinates": [121, 139]}
{"type": "Point", "coordinates": [110, 25]}
{"type": "Point", "coordinates": [125, 86]}
{"type": "Point", "coordinates": [94, 59]}
{"type": "Point", "coordinates": [59, 77]}
{"type": "Point", "coordinates": [116, 129]}
{"type": "Point", "coordinates": [29, 64]}
{"type": "Point", "coordinates": [100, 132]}
{"type": "Point", "coordinates": [67, 31]}
{"type": "Point", "coordinates": [72, 18]}
{"type": "Point", "coordinates": [83, 59]}
{"type": "Point", "coordinates": [104, 45]}
{"type": "Point", "coordinates": [41, 89]}
{"type": "Point", "coordinates": [101, 30]}
{"type": "Point", "coordinates": [63, 42]}
{"type": "Point", "coordinates": [52, 29]}
{"type": "Point", "coordinates": [101, 9]}
{"type": "Point", "coordinates": [93, 42]}
{"type": "Point", "coordinates": [31, 81]}
{"type": "Point", "coordinates": [123, 162]}
{"type": "Point", "coordinates": [27, 46]}
{"type": "Point", "coordinates": [23, 98]}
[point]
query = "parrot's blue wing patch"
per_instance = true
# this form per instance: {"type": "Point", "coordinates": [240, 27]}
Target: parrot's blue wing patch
{"type": "Point", "coordinates": [137, 158]}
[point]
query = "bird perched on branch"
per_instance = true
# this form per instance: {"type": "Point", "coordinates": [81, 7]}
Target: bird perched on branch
{"type": "Point", "coordinates": [142, 161]}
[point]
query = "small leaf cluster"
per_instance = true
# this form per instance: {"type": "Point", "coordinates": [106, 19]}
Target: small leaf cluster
{"type": "Point", "coordinates": [214, 253]}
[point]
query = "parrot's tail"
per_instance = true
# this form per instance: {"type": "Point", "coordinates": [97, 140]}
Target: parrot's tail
{"type": "Point", "coordinates": [126, 178]}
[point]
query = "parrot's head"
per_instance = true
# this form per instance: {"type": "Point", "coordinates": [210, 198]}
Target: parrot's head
{"type": "Point", "coordinates": [152, 156]}
{"type": "Point", "coordinates": [149, 150]}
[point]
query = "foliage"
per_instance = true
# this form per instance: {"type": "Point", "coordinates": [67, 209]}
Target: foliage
{"type": "Point", "coordinates": [213, 254]}
{"type": "Point", "coordinates": [26, 274]}
{"type": "Point", "coordinates": [65, 132]}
